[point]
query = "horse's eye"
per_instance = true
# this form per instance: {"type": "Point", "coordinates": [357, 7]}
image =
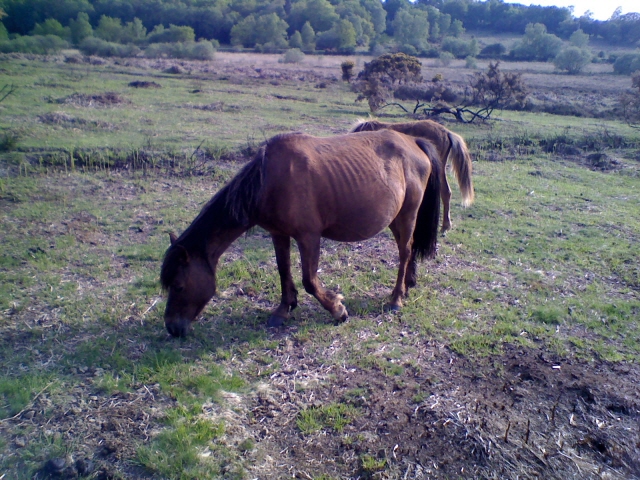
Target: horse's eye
{"type": "Point", "coordinates": [178, 288]}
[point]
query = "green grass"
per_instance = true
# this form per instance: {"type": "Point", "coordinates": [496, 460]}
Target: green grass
{"type": "Point", "coordinates": [334, 416]}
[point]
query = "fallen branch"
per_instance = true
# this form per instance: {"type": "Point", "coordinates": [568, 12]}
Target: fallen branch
{"type": "Point", "coordinates": [7, 90]}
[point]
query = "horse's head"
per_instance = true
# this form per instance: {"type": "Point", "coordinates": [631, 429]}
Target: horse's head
{"type": "Point", "coordinates": [190, 282]}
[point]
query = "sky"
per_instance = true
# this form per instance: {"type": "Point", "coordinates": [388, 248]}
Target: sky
{"type": "Point", "coordinates": [602, 9]}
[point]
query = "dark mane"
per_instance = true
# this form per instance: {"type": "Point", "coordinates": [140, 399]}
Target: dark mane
{"type": "Point", "coordinates": [369, 126]}
{"type": "Point", "coordinates": [232, 207]}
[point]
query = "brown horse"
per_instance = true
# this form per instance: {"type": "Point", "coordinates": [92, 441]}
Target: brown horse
{"type": "Point", "coordinates": [448, 144]}
{"type": "Point", "coordinates": [345, 188]}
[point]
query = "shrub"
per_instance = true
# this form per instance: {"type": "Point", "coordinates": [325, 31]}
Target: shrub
{"type": "Point", "coordinates": [173, 34]}
{"type": "Point", "coordinates": [630, 101]}
{"type": "Point", "coordinates": [347, 69]}
{"type": "Point", "coordinates": [52, 27]}
{"type": "Point", "coordinates": [460, 48]}
{"type": "Point", "coordinates": [202, 50]}
{"type": "Point", "coordinates": [572, 59]}
{"type": "Point", "coordinates": [39, 44]}
{"type": "Point", "coordinates": [376, 81]}
{"type": "Point", "coordinates": [293, 55]}
{"type": "Point", "coordinates": [627, 63]}
{"type": "Point", "coordinates": [537, 44]}
{"type": "Point", "coordinates": [446, 58]}
{"type": "Point", "coordinates": [495, 50]}
{"type": "Point", "coordinates": [495, 89]}
{"type": "Point", "coordinates": [470, 62]}
{"type": "Point", "coordinates": [102, 48]}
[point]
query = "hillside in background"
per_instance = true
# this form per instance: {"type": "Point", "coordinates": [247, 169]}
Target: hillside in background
{"type": "Point", "coordinates": [424, 28]}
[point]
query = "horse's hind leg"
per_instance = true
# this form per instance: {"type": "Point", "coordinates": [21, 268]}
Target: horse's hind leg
{"type": "Point", "coordinates": [402, 229]}
{"type": "Point", "coordinates": [445, 195]}
{"type": "Point", "coordinates": [289, 301]}
{"type": "Point", "coordinates": [309, 247]}
{"type": "Point", "coordinates": [411, 275]}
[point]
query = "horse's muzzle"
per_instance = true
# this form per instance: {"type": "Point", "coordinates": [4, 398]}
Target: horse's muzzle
{"type": "Point", "coordinates": [178, 329]}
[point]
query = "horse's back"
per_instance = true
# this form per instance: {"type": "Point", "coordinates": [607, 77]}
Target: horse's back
{"type": "Point", "coordinates": [347, 187]}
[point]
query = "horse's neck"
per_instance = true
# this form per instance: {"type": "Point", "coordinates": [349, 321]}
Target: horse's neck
{"type": "Point", "coordinates": [219, 241]}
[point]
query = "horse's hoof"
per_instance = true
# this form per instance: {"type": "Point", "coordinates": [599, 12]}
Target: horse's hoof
{"type": "Point", "coordinates": [391, 308]}
{"type": "Point", "coordinates": [276, 321]}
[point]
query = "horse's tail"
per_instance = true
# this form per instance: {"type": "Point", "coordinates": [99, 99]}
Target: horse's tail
{"type": "Point", "coordinates": [425, 234]}
{"type": "Point", "coordinates": [461, 161]}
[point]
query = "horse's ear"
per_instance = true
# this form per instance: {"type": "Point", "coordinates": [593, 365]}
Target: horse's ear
{"type": "Point", "coordinates": [172, 237]}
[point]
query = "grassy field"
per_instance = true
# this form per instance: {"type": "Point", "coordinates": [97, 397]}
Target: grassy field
{"type": "Point", "coordinates": [516, 355]}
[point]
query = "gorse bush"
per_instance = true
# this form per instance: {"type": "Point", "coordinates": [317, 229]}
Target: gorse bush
{"type": "Point", "coordinates": [375, 83]}
{"type": "Point", "coordinates": [39, 44]}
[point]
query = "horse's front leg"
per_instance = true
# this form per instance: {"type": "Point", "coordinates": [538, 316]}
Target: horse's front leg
{"type": "Point", "coordinates": [289, 301]}
{"type": "Point", "coordinates": [309, 246]}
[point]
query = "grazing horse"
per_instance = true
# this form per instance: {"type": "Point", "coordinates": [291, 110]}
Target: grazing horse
{"type": "Point", "coordinates": [448, 144]}
{"type": "Point", "coordinates": [346, 188]}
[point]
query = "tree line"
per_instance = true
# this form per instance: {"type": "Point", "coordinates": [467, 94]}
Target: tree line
{"type": "Point", "coordinates": [423, 27]}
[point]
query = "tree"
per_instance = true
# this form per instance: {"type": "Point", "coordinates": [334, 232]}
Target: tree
{"type": "Point", "coordinates": [376, 81]}
{"type": "Point", "coordinates": [627, 63]}
{"type": "Point", "coordinates": [109, 29]}
{"type": "Point", "coordinates": [341, 37]}
{"type": "Point", "coordinates": [346, 36]}
{"type": "Point", "coordinates": [537, 44]}
{"type": "Point", "coordinates": [269, 30]}
{"type": "Point", "coordinates": [572, 59]}
{"type": "Point", "coordinates": [80, 28]}
{"type": "Point", "coordinates": [579, 39]}
{"type": "Point", "coordinates": [460, 48]}
{"type": "Point", "coordinates": [308, 37]}
{"type": "Point", "coordinates": [411, 27]}
{"type": "Point", "coordinates": [295, 40]}
{"type": "Point", "coordinates": [51, 27]}
{"type": "Point", "coordinates": [321, 14]}
{"type": "Point", "coordinates": [272, 31]}
{"type": "Point", "coordinates": [135, 32]}
{"type": "Point", "coordinates": [456, 29]}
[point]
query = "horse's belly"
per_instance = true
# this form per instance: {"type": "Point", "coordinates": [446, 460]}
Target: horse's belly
{"type": "Point", "coordinates": [358, 227]}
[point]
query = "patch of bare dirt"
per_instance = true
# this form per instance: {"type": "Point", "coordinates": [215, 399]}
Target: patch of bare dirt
{"type": "Point", "coordinates": [103, 430]}
{"type": "Point", "coordinates": [144, 84]}
{"type": "Point", "coordinates": [95, 100]}
{"type": "Point", "coordinates": [524, 415]}
{"type": "Point", "coordinates": [66, 120]}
